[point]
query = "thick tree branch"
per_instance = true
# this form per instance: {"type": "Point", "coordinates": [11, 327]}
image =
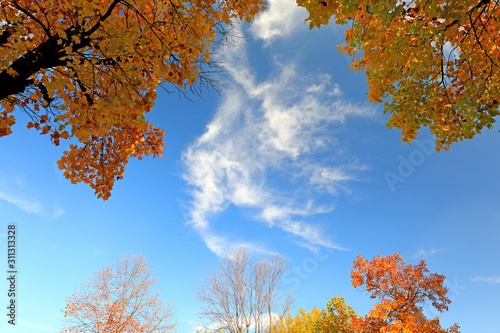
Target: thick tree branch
{"type": "Point", "coordinates": [46, 55]}
{"type": "Point", "coordinates": [4, 37]}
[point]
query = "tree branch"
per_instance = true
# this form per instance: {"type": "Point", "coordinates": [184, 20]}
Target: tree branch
{"type": "Point", "coordinates": [31, 16]}
{"type": "Point", "coordinates": [103, 18]}
{"type": "Point", "coordinates": [5, 35]}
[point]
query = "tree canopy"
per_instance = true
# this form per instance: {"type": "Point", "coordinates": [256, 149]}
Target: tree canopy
{"type": "Point", "coordinates": [403, 289]}
{"type": "Point", "coordinates": [434, 63]}
{"type": "Point", "coordinates": [303, 322]}
{"type": "Point", "coordinates": [89, 69]}
{"type": "Point", "coordinates": [336, 318]}
{"type": "Point", "coordinates": [119, 298]}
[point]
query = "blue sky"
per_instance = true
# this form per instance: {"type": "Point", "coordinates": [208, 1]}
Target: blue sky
{"type": "Point", "coordinates": [290, 159]}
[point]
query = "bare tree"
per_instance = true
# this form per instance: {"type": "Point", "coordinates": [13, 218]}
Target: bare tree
{"type": "Point", "coordinates": [244, 295]}
{"type": "Point", "coordinates": [119, 298]}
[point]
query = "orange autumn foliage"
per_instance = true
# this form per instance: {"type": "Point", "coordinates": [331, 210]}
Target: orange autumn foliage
{"type": "Point", "coordinates": [403, 289]}
{"type": "Point", "coordinates": [119, 298]}
{"type": "Point", "coordinates": [88, 71]}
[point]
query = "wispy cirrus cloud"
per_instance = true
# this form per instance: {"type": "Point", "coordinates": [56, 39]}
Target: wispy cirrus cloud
{"type": "Point", "coordinates": [16, 191]}
{"type": "Point", "coordinates": [28, 205]}
{"type": "Point", "coordinates": [487, 279]}
{"type": "Point", "coordinates": [426, 253]}
{"type": "Point", "coordinates": [270, 149]}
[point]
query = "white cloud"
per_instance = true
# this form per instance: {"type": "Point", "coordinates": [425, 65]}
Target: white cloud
{"type": "Point", "coordinates": [331, 179]}
{"type": "Point", "coordinates": [280, 19]}
{"type": "Point", "coordinates": [489, 279]}
{"type": "Point", "coordinates": [424, 253]}
{"type": "Point", "coordinates": [16, 191]}
{"type": "Point", "coordinates": [222, 245]}
{"type": "Point", "coordinates": [29, 206]}
{"type": "Point", "coordinates": [325, 86]}
{"type": "Point", "coordinates": [58, 211]}
{"type": "Point", "coordinates": [265, 150]}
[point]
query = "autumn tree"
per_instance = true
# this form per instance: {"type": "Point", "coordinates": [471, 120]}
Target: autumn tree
{"type": "Point", "coordinates": [402, 289]}
{"type": "Point", "coordinates": [337, 317]}
{"type": "Point", "coordinates": [244, 294]}
{"type": "Point", "coordinates": [89, 70]}
{"type": "Point", "coordinates": [303, 322]}
{"type": "Point", "coordinates": [434, 63]}
{"type": "Point", "coordinates": [119, 298]}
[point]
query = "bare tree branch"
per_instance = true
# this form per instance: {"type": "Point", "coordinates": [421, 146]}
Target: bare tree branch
{"type": "Point", "coordinates": [244, 295]}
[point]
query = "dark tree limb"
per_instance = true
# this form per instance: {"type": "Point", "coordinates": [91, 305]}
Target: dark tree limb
{"type": "Point", "coordinates": [5, 35]}
{"type": "Point", "coordinates": [46, 55]}
{"type": "Point", "coordinates": [49, 54]}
